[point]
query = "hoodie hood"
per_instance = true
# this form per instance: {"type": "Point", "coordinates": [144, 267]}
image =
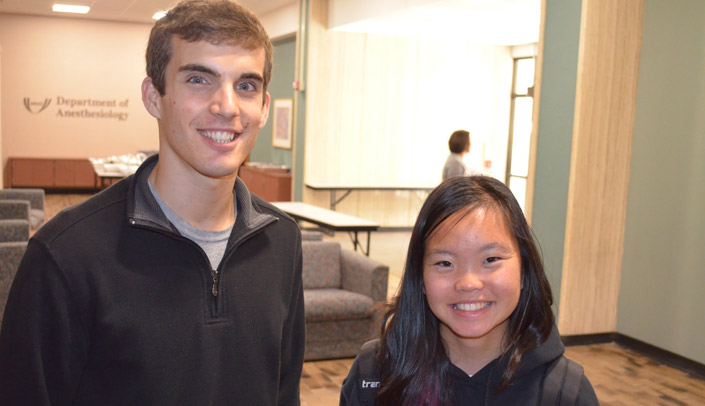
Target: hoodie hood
{"type": "Point", "coordinates": [483, 384]}
{"type": "Point", "coordinates": [545, 353]}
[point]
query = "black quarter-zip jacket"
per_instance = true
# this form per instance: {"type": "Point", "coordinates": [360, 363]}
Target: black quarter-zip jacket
{"type": "Point", "coordinates": [112, 306]}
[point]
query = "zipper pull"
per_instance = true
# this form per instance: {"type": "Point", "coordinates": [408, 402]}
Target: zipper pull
{"type": "Point", "coordinates": [215, 283]}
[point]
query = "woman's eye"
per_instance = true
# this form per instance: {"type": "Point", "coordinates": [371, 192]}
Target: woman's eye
{"type": "Point", "coordinates": [492, 259]}
{"type": "Point", "coordinates": [443, 264]}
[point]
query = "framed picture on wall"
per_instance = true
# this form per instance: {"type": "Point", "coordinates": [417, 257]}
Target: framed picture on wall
{"type": "Point", "coordinates": [281, 137]}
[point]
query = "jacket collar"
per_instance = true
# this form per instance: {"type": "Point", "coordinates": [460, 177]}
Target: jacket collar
{"type": "Point", "coordinates": [143, 209]}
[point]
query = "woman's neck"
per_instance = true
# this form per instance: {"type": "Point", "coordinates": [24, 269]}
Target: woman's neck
{"type": "Point", "coordinates": [472, 354]}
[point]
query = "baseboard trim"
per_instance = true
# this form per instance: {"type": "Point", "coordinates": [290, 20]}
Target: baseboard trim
{"type": "Point", "coordinates": [589, 339]}
{"type": "Point", "coordinates": [395, 229]}
{"type": "Point", "coordinates": [665, 357]}
{"type": "Point", "coordinates": [382, 229]}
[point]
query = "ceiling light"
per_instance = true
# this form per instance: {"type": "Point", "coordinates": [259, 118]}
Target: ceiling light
{"type": "Point", "coordinates": [66, 8]}
{"type": "Point", "coordinates": [158, 15]}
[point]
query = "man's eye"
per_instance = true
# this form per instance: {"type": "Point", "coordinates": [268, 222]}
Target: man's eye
{"type": "Point", "coordinates": [196, 80]}
{"type": "Point", "coordinates": [247, 86]}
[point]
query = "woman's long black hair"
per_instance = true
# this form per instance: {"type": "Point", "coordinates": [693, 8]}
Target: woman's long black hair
{"type": "Point", "coordinates": [415, 369]}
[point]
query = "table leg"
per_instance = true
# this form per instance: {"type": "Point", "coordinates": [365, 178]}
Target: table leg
{"type": "Point", "coordinates": [356, 242]}
{"type": "Point", "coordinates": [368, 244]}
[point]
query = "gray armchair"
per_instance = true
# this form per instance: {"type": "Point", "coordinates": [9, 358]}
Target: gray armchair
{"type": "Point", "coordinates": [35, 197]}
{"type": "Point", "coordinates": [10, 255]}
{"type": "Point", "coordinates": [15, 210]}
{"type": "Point", "coordinates": [14, 230]}
{"type": "Point", "coordinates": [311, 235]}
{"type": "Point", "coordinates": [341, 289]}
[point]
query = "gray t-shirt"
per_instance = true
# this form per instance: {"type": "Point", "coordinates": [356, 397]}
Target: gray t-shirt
{"type": "Point", "coordinates": [213, 243]}
{"type": "Point", "coordinates": [454, 166]}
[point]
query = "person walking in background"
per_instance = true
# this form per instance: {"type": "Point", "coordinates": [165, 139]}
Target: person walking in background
{"type": "Point", "coordinates": [175, 286]}
{"type": "Point", "coordinates": [459, 145]}
{"type": "Point", "coordinates": [472, 323]}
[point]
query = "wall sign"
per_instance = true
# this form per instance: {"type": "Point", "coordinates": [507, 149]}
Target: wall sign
{"type": "Point", "coordinates": [66, 107]}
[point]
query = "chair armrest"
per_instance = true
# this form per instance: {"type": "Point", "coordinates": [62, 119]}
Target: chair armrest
{"type": "Point", "coordinates": [14, 209]}
{"type": "Point", "coordinates": [364, 275]}
{"type": "Point", "coordinates": [14, 230]}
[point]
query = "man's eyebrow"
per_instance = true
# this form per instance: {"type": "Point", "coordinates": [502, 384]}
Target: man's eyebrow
{"type": "Point", "coordinates": [194, 67]}
{"type": "Point", "coordinates": [254, 76]}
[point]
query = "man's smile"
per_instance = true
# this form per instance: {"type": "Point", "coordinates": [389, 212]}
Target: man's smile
{"type": "Point", "coordinates": [221, 137]}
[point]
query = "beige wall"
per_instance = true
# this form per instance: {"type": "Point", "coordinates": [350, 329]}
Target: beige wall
{"type": "Point", "coordinates": [51, 58]}
{"type": "Point", "coordinates": [380, 109]}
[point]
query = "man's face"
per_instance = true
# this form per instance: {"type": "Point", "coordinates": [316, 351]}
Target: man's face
{"type": "Point", "coordinates": [213, 105]}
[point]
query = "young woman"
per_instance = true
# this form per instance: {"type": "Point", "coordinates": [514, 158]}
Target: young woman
{"type": "Point", "coordinates": [472, 323]}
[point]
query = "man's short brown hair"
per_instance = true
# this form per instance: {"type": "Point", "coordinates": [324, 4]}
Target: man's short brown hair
{"type": "Point", "coordinates": [214, 21]}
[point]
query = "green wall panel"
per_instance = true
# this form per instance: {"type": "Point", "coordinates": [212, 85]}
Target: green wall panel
{"type": "Point", "coordinates": [555, 133]}
{"type": "Point", "coordinates": [661, 297]}
{"type": "Point", "coordinates": [280, 87]}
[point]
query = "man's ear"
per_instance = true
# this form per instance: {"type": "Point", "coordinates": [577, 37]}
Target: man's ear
{"type": "Point", "coordinates": [265, 111]}
{"type": "Point", "coordinates": [151, 98]}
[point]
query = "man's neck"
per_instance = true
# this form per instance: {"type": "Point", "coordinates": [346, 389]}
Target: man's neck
{"type": "Point", "coordinates": [205, 203]}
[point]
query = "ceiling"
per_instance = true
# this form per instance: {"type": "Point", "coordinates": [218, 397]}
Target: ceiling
{"type": "Point", "coordinates": [498, 22]}
{"type": "Point", "coordinates": [140, 11]}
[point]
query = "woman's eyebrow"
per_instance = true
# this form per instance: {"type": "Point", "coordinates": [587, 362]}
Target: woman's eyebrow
{"type": "Point", "coordinates": [439, 251]}
{"type": "Point", "coordinates": [495, 246]}
{"type": "Point", "coordinates": [483, 248]}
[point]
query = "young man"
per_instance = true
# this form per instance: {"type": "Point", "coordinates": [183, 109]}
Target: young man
{"type": "Point", "coordinates": [175, 286]}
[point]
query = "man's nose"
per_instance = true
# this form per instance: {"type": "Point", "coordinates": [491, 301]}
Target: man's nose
{"type": "Point", "coordinates": [225, 102]}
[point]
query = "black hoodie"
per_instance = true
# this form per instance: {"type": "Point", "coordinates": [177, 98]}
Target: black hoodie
{"type": "Point", "coordinates": [524, 389]}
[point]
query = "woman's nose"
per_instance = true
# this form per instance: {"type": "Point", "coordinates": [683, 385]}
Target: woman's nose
{"type": "Point", "coordinates": [469, 281]}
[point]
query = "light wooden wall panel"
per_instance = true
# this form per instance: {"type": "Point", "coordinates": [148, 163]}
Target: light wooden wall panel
{"type": "Point", "coordinates": [610, 43]}
{"type": "Point", "coordinates": [380, 109]}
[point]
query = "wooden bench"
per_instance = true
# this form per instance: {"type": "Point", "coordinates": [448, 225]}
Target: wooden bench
{"type": "Point", "coordinates": [330, 220]}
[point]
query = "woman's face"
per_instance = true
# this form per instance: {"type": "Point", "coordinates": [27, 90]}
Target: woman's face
{"type": "Point", "coordinates": [472, 277]}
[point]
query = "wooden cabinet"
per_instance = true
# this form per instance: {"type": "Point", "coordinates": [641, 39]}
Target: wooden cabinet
{"type": "Point", "coordinates": [73, 173]}
{"type": "Point", "coordinates": [271, 184]}
{"type": "Point", "coordinates": [50, 173]}
{"type": "Point", "coordinates": [29, 172]}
